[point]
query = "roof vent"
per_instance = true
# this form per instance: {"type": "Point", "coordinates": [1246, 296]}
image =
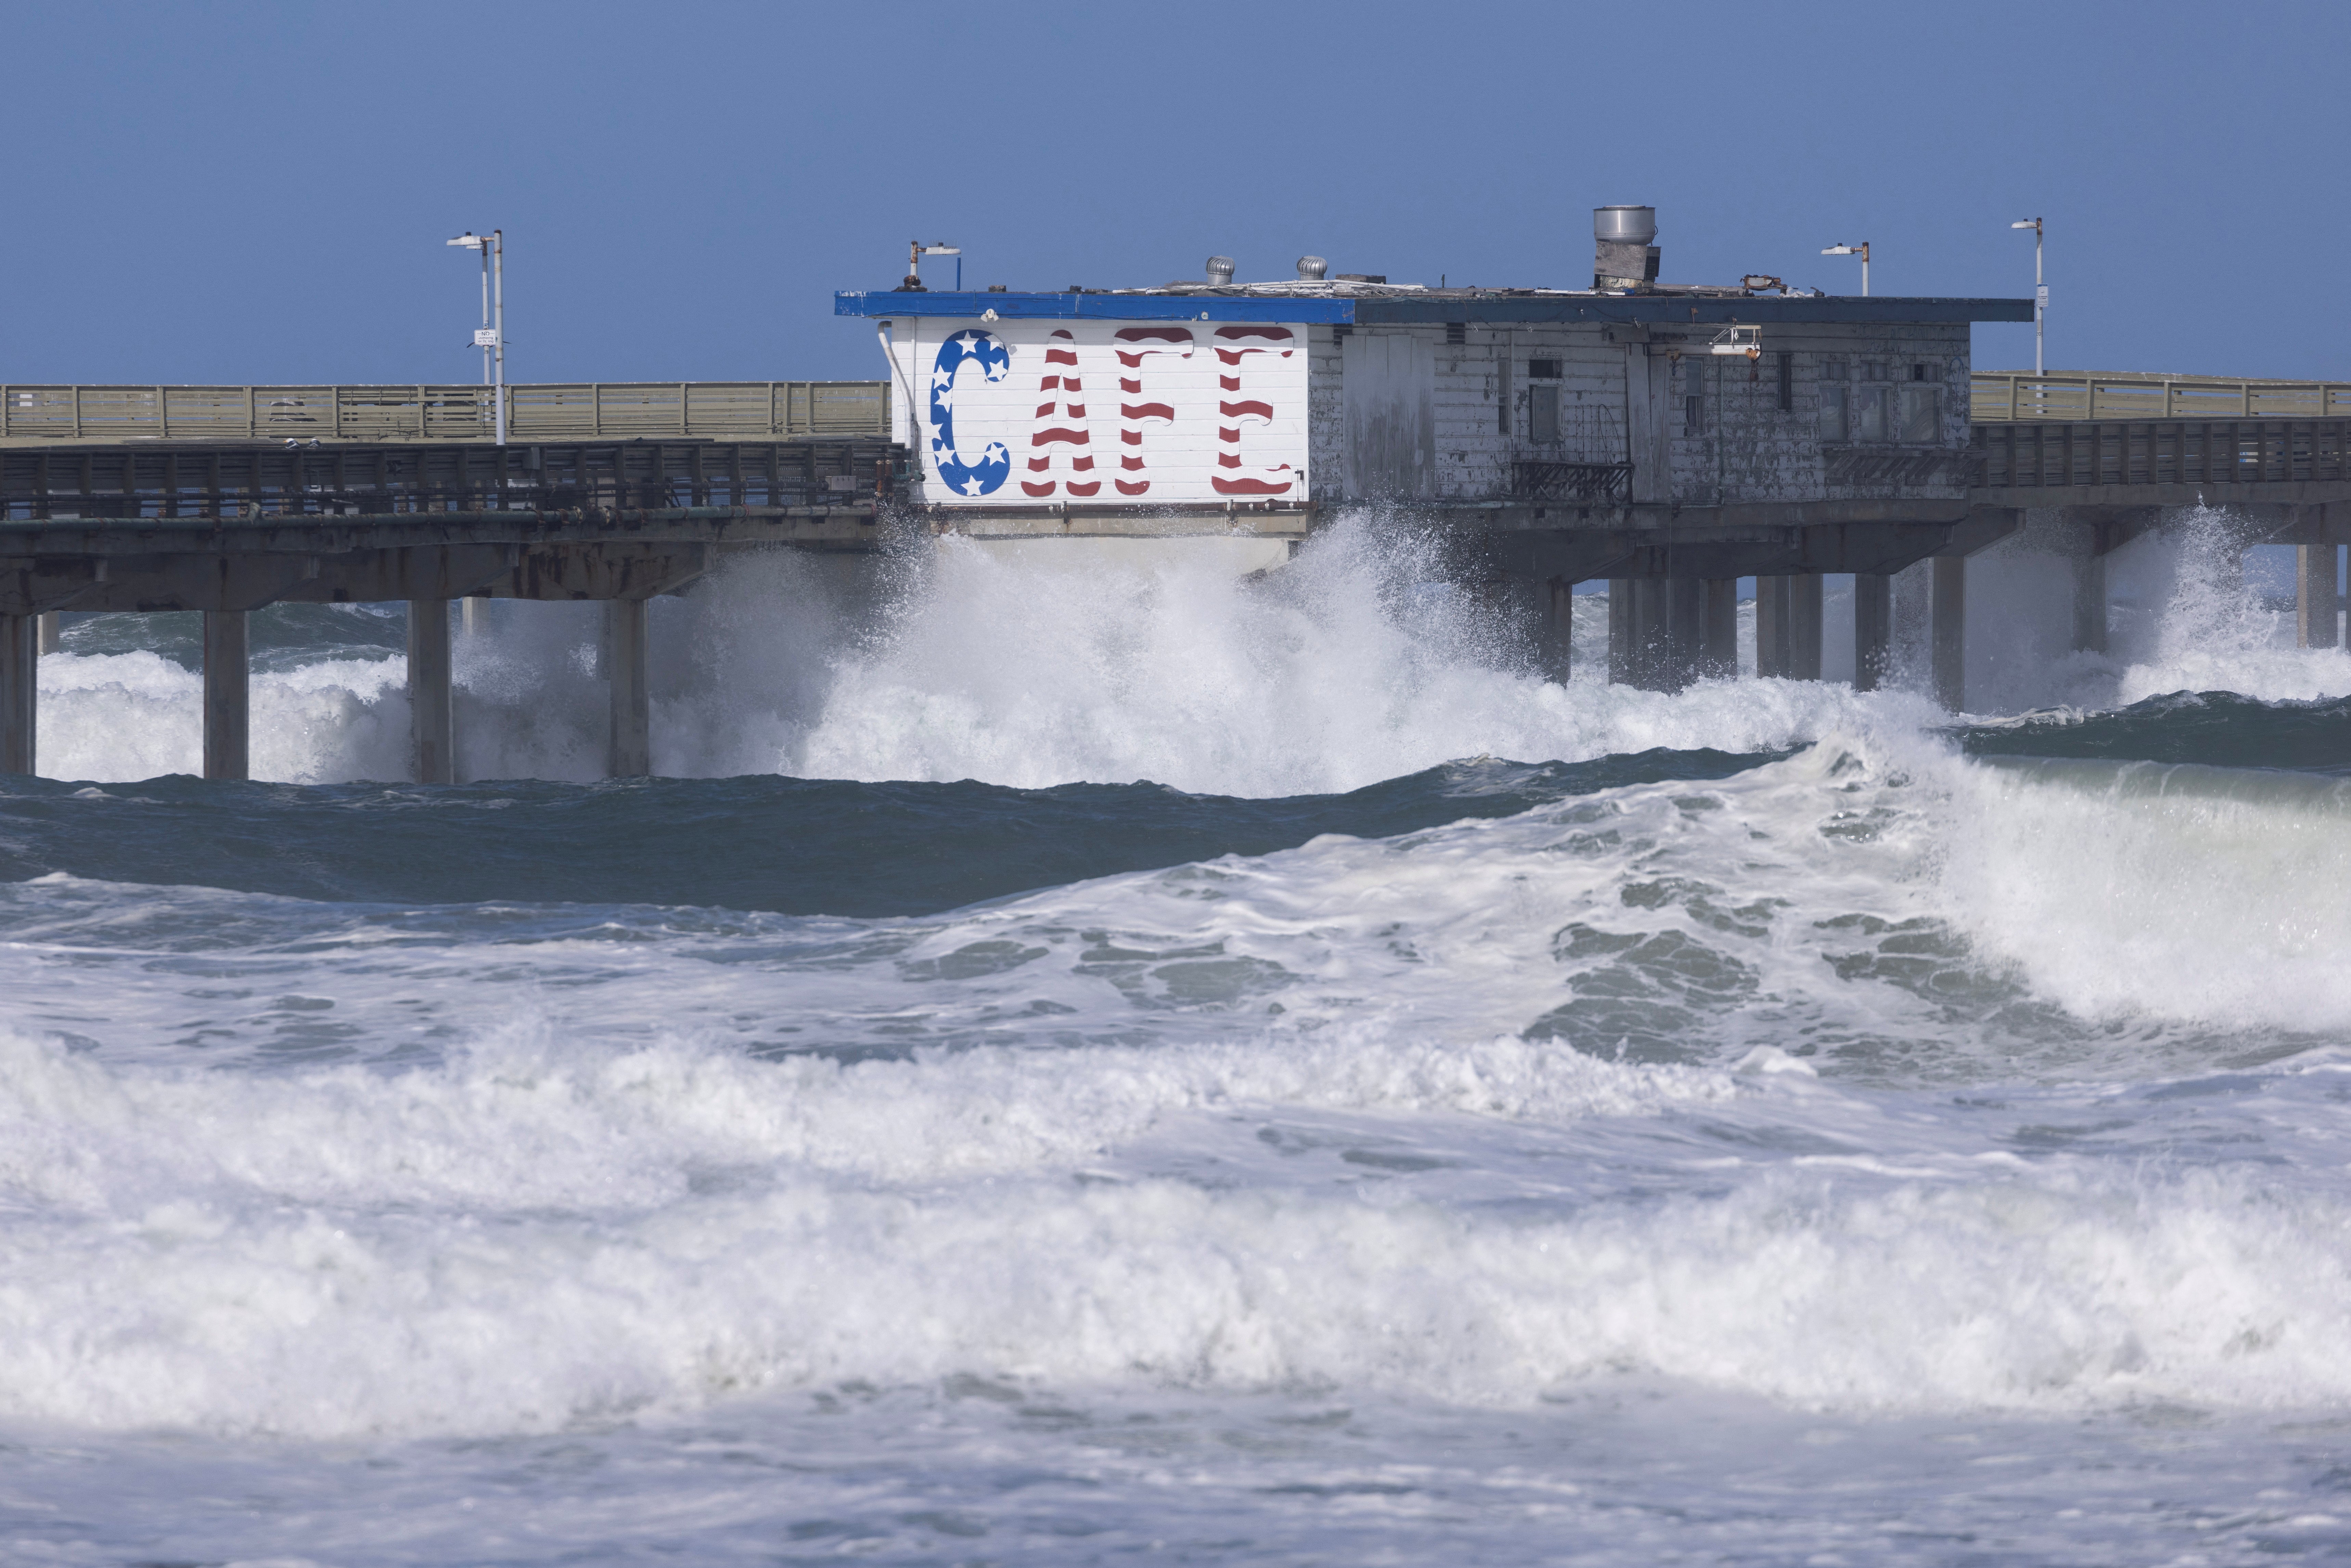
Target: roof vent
{"type": "Point", "coordinates": [1220, 269]}
{"type": "Point", "coordinates": [1624, 259]}
{"type": "Point", "coordinates": [1311, 269]}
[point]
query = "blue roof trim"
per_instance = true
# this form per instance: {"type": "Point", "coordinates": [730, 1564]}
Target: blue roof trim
{"type": "Point", "coordinates": [1667, 308]}
{"type": "Point", "coordinates": [1093, 307]}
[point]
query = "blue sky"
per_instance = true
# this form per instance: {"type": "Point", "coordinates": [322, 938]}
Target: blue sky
{"type": "Point", "coordinates": [259, 191]}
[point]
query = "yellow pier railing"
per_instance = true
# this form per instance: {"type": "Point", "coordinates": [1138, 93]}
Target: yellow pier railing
{"type": "Point", "coordinates": [544, 410]}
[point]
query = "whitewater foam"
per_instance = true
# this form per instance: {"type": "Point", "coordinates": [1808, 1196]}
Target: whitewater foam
{"type": "Point", "coordinates": [518, 1244]}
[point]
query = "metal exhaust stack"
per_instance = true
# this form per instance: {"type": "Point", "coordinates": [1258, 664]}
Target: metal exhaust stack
{"type": "Point", "coordinates": [1623, 254]}
{"type": "Point", "coordinates": [1220, 270]}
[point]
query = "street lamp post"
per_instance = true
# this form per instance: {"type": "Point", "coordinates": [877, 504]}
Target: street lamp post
{"type": "Point", "coordinates": [2040, 289]}
{"type": "Point", "coordinates": [491, 337]}
{"type": "Point", "coordinates": [1861, 250]}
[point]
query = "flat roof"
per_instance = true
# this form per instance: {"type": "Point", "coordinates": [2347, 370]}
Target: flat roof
{"type": "Point", "coordinates": [1366, 304]}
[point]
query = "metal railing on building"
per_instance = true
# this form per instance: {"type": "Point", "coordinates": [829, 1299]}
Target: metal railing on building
{"type": "Point", "coordinates": [552, 410]}
{"type": "Point", "coordinates": [1584, 484]}
{"type": "Point", "coordinates": [1998, 395]}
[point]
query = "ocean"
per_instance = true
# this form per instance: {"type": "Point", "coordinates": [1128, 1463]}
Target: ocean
{"type": "Point", "coordinates": [1094, 1059]}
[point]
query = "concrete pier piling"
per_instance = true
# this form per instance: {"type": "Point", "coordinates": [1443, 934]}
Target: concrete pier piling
{"type": "Point", "coordinates": [1640, 617]}
{"type": "Point", "coordinates": [2090, 604]}
{"type": "Point", "coordinates": [1719, 646]}
{"type": "Point", "coordinates": [52, 632]}
{"type": "Point", "coordinates": [1555, 630]}
{"type": "Point", "coordinates": [1787, 627]}
{"type": "Point", "coordinates": [631, 751]}
{"type": "Point", "coordinates": [2313, 596]}
{"type": "Point", "coordinates": [432, 728]}
{"type": "Point", "coordinates": [228, 710]}
{"type": "Point", "coordinates": [19, 668]}
{"type": "Point", "coordinates": [1873, 630]}
{"type": "Point", "coordinates": [1665, 632]}
{"type": "Point", "coordinates": [1948, 633]}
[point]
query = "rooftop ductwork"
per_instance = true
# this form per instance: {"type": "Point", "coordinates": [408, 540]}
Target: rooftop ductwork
{"type": "Point", "coordinates": [1311, 269]}
{"type": "Point", "coordinates": [1220, 269]}
{"type": "Point", "coordinates": [1623, 254]}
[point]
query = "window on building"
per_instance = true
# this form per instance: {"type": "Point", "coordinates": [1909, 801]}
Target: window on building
{"type": "Point", "coordinates": [1542, 413]}
{"type": "Point", "coordinates": [1787, 381]}
{"type": "Point", "coordinates": [1543, 370]}
{"type": "Point", "coordinates": [1457, 331]}
{"type": "Point", "coordinates": [1917, 372]}
{"type": "Point", "coordinates": [1833, 412]}
{"type": "Point", "coordinates": [1922, 415]}
{"type": "Point", "coordinates": [1693, 396]}
{"type": "Point", "coordinates": [1869, 413]}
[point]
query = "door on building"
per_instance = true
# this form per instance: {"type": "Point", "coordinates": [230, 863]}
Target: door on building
{"type": "Point", "coordinates": [1389, 393]}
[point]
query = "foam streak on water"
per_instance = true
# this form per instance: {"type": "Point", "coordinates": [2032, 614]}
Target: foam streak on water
{"type": "Point", "coordinates": [1835, 1136]}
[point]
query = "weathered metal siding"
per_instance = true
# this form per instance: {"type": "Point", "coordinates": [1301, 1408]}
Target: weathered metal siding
{"type": "Point", "coordinates": [1489, 367]}
{"type": "Point", "coordinates": [1326, 443]}
{"type": "Point", "coordinates": [1739, 446]}
{"type": "Point", "coordinates": [1745, 449]}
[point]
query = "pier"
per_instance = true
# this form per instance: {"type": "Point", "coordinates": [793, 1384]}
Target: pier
{"type": "Point", "coordinates": [1669, 441]}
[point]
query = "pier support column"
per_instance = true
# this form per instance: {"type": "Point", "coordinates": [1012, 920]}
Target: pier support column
{"type": "Point", "coordinates": [631, 753]}
{"type": "Point", "coordinates": [1787, 627]}
{"type": "Point", "coordinates": [1555, 629]}
{"type": "Point", "coordinates": [1658, 633]}
{"type": "Point", "coordinates": [1718, 641]}
{"type": "Point", "coordinates": [430, 721]}
{"type": "Point", "coordinates": [1637, 622]}
{"type": "Point", "coordinates": [1949, 617]}
{"type": "Point", "coordinates": [1804, 636]}
{"type": "Point", "coordinates": [52, 630]}
{"type": "Point", "coordinates": [2313, 596]}
{"type": "Point", "coordinates": [19, 668]}
{"type": "Point", "coordinates": [228, 695]}
{"type": "Point", "coordinates": [1685, 632]}
{"type": "Point", "coordinates": [1873, 630]}
{"type": "Point", "coordinates": [2090, 604]}
{"type": "Point", "coordinates": [1620, 631]}
{"type": "Point", "coordinates": [1770, 628]}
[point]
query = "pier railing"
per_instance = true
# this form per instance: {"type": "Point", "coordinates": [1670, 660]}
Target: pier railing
{"type": "Point", "coordinates": [2027, 455]}
{"type": "Point", "coordinates": [1995, 395]}
{"type": "Point", "coordinates": [536, 411]}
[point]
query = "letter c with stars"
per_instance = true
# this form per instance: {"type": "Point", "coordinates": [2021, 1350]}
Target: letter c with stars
{"type": "Point", "coordinates": [984, 475]}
